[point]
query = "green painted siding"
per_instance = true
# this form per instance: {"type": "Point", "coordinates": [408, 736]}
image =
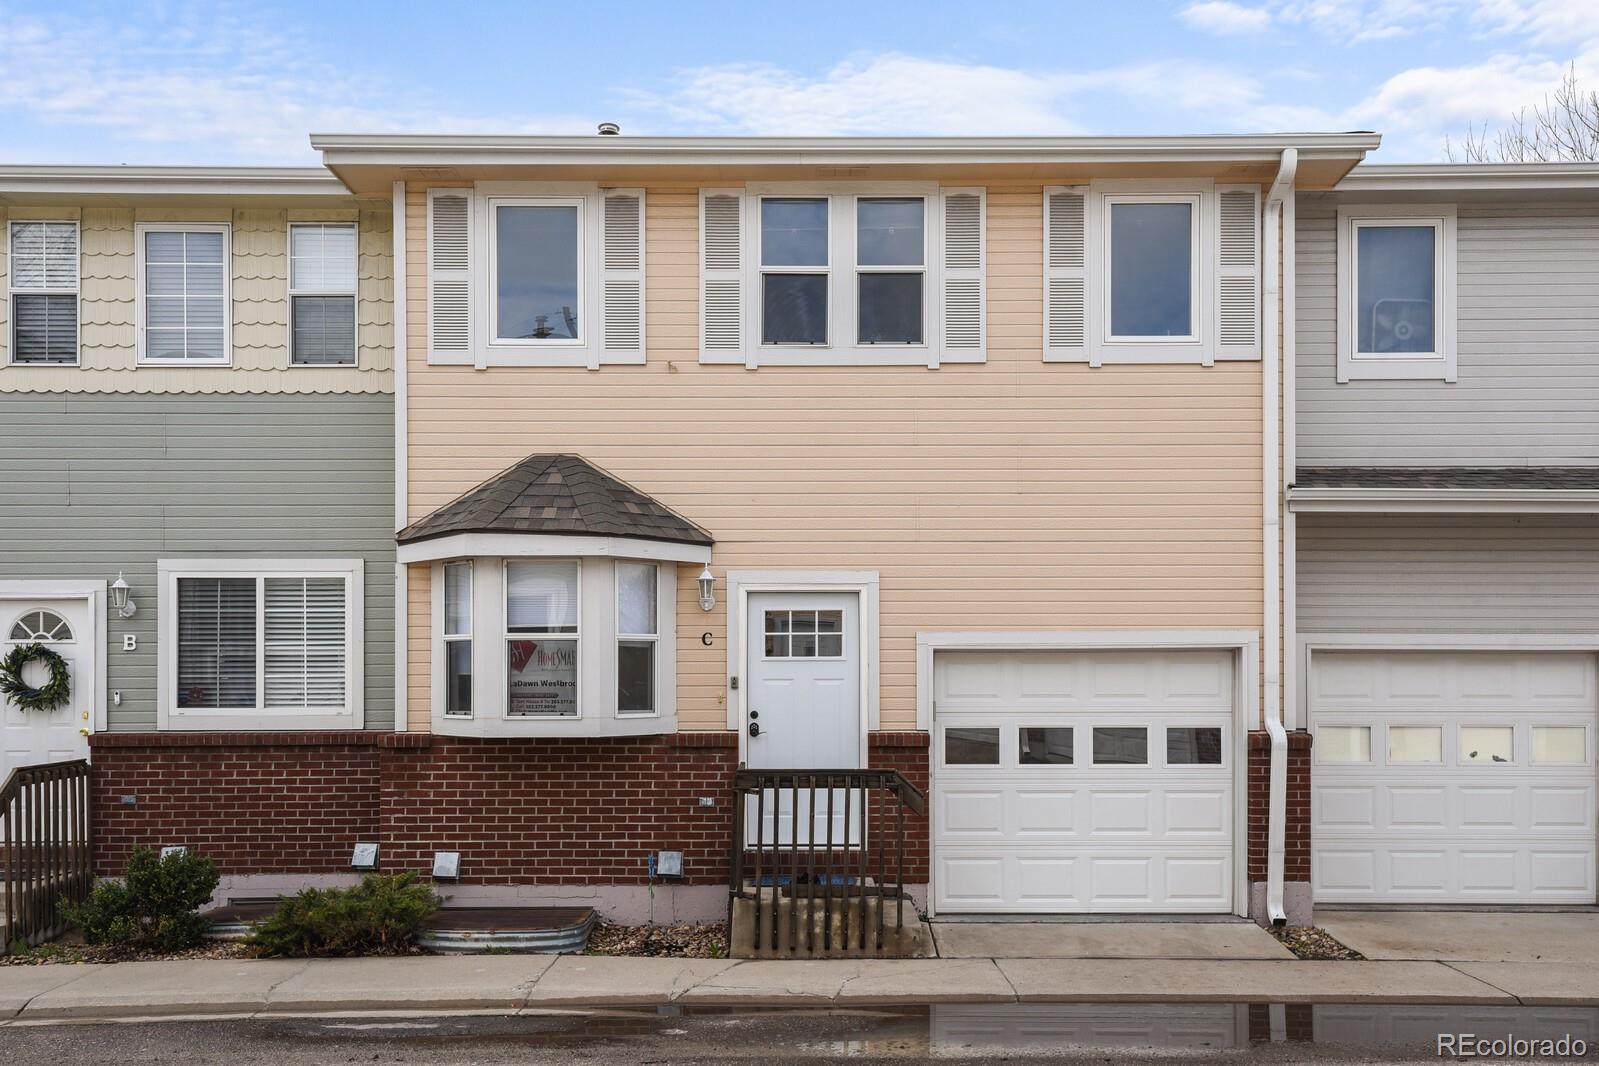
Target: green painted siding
{"type": "Point", "coordinates": [91, 484]}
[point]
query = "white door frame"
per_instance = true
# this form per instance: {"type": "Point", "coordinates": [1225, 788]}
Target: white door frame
{"type": "Point", "coordinates": [740, 583]}
{"type": "Point", "coordinates": [94, 593]}
{"type": "Point", "coordinates": [1244, 643]}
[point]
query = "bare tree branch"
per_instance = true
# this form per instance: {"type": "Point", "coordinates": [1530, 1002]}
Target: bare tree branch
{"type": "Point", "coordinates": [1564, 128]}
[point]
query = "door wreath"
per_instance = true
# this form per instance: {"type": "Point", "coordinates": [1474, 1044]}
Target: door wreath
{"type": "Point", "coordinates": [52, 694]}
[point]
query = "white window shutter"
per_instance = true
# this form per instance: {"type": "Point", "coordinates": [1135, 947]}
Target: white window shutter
{"type": "Point", "coordinates": [1238, 271]}
{"type": "Point", "coordinates": [721, 275]}
{"type": "Point", "coordinates": [449, 267]}
{"type": "Point", "coordinates": [622, 290]}
{"type": "Point", "coordinates": [1066, 236]}
{"type": "Point", "coordinates": [965, 223]}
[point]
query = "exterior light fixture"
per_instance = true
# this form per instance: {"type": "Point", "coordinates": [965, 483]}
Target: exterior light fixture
{"type": "Point", "coordinates": [119, 597]}
{"type": "Point", "coordinates": [707, 589]}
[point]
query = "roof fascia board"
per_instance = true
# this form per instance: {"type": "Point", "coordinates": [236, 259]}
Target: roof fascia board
{"type": "Point", "coordinates": [1471, 177]}
{"type": "Point", "coordinates": [170, 181]}
{"type": "Point", "coordinates": [1443, 501]}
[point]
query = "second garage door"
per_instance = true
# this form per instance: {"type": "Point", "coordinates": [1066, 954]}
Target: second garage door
{"type": "Point", "coordinates": [1082, 782]}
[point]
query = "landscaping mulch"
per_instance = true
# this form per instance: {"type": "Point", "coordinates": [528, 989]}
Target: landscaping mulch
{"type": "Point", "coordinates": [1308, 942]}
{"type": "Point", "coordinates": [63, 953]}
{"type": "Point", "coordinates": [682, 941]}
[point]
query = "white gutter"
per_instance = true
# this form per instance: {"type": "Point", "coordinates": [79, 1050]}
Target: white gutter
{"type": "Point", "coordinates": [402, 574]}
{"type": "Point", "coordinates": [170, 181]}
{"type": "Point", "coordinates": [1468, 177]}
{"type": "Point", "coordinates": [1271, 501]}
{"type": "Point", "coordinates": [1361, 500]}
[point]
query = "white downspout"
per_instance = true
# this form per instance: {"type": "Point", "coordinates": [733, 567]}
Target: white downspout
{"type": "Point", "coordinates": [1277, 808]}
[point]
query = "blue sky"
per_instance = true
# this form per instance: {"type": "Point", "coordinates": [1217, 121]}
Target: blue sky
{"type": "Point", "coordinates": [221, 83]}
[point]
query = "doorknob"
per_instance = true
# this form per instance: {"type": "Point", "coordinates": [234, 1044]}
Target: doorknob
{"type": "Point", "coordinates": [755, 729]}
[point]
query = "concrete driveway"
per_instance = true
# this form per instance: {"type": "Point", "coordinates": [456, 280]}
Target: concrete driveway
{"type": "Point", "coordinates": [1106, 940]}
{"type": "Point", "coordinates": [1467, 936]}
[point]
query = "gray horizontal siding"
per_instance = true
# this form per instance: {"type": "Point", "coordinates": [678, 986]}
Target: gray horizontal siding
{"type": "Point", "coordinates": [95, 484]}
{"type": "Point", "coordinates": [1528, 341]}
{"type": "Point", "coordinates": [1448, 574]}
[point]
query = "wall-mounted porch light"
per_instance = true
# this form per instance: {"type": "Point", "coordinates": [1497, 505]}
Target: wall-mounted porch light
{"type": "Point", "coordinates": [707, 589]}
{"type": "Point", "coordinates": [119, 597]}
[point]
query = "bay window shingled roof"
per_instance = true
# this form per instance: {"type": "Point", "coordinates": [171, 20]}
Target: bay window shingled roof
{"type": "Point", "coordinates": [556, 494]}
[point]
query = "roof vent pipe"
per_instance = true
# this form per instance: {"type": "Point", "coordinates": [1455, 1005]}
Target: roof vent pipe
{"type": "Point", "coordinates": [609, 129]}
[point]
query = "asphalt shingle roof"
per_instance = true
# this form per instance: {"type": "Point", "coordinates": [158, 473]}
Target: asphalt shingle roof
{"type": "Point", "coordinates": [1449, 477]}
{"type": "Point", "coordinates": [560, 494]}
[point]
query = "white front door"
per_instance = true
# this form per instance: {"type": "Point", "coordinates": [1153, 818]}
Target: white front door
{"type": "Point", "coordinates": [802, 706]}
{"type": "Point", "coordinates": [67, 627]}
{"type": "Point", "coordinates": [1083, 781]}
{"type": "Point", "coordinates": [1453, 776]}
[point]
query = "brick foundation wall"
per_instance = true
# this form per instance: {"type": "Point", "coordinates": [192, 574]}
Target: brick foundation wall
{"type": "Point", "coordinates": [1296, 841]}
{"type": "Point", "coordinates": [528, 812]}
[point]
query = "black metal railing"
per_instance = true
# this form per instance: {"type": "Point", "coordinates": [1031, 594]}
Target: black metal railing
{"type": "Point", "coordinates": [44, 816]}
{"type": "Point", "coordinates": [824, 885]}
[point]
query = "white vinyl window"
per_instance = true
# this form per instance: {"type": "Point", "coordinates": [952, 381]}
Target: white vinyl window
{"type": "Point", "coordinates": [322, 293]}
{"type": "Point", "coordinates": [253, 641]}
{"type": "Point", "coordinates": [637, 634]}
{"type": "Point", "coordinates": [457, 636]}
{"type": "Point", "coordinates": [1396, 292]}
{"type": "Point", "coordinates": [536, 284]}
{"type": "Point", "coordinates": [541, 638]}
{"type": "Point", "coordinates": [1152, 269]}
{"type": "Point", "coordinates": [891, 270]}
{"type": "Point", "coordinates": [44, 292]}
{"type": "Point", "coordinates": [795, 270]}
{"type": "Point", "coordinates": [183, 290]}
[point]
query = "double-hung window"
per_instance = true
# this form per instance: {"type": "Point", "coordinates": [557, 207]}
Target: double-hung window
{"type": "Point", "coordinates": [637, 633]}
{"type": "Point", "coordinates": [457, 634]}
{"type": "Point", "coordinates": [183, 293]}
{"type": "Point", "coordinates": [890, 270]}
{"type": "Point", "coordinates": [795, 278]}
{"type": "Point", "coordinates": [44, 292]}
{"type": "Point", "coordinates": [322, 293]}
{"type": "Point", "coordinates": [1396, 292]}
{"type": "Point", "coordinates": [541, 638]}
{"type": "Point", "coordinates": [252, 641]}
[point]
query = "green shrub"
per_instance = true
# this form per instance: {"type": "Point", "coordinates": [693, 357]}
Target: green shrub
{"type": "Point", "coordinates": [380, 916]}
{"type": "Point", "coordinates": [152, 907]}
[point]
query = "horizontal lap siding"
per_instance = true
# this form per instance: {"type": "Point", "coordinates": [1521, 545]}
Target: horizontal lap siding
{"type": "Point", "coordinates": [1448, 574]}
{"type": "Point", "coordinates": [1528, 325]}
{"type": "Point", "coordinates": [91, 485]}
{"type": "Point", "coordinates": [1011, 495]}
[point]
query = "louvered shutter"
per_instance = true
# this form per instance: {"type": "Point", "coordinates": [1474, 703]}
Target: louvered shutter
{"type": "Point", "coordinates": [449, 268]}
{"type": "Point", "coordinates": [963, 270]}
{"type": "Point", "coordinates": [1065, 274]}
{"type": "Point", "coordinates": [304, 654]}
{"type": "Point", "coordinates": [622, 288]}
{"type": "Point", "coordinates": [1238, 271]}
{"type": "Point", "coordinates": [721, 275]}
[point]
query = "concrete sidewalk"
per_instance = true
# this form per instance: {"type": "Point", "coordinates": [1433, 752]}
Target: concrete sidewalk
{"type": "Point", "coordinates": [511, 983]}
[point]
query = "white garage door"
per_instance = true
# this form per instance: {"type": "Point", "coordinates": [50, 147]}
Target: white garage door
{"type": "Point", "coordinates": [1452, 777]}
{"type": "Point", "coordinates": [1083, 782]}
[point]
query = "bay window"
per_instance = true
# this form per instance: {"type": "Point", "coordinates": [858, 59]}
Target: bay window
{"type": "Point", "coordinates": [457, 636]}
{"type": "Point", "coordinates": [259, 643]}
{"type": "Point", "coordinates": [541, 612]}
{"type": "Point", "coordinates": [636, 633]}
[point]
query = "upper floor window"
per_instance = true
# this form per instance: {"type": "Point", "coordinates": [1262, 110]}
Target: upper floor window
{"type": "Point", "coordinates": [870, 274]}
{"type": "Point", "coordinates": [1396, 292]}
{"type": "Point", "coordinates": [1158, 271]}
{"type": "Point", "coordinates": [535, 274]}
{"type": "Point", "coordinates": [44, 292]}
{"type": "Point", "coordinates": [322, 293]}
{"type": "Point", "coordinates": [183, 291]}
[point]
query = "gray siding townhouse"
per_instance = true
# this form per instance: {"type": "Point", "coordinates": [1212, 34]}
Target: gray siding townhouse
{"type": "Point", "coordinates": [196, 403]}
{"type": "Point", "coordinates": [1443, 526]}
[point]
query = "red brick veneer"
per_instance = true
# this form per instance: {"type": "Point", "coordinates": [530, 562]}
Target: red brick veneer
{"type": "Point", "coordinates": [520, 811]}
{"type": "Point", "coordinates": [1296, 858]}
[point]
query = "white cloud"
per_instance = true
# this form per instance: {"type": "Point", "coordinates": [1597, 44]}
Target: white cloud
{"type": "Point", "coordinates": [1553, 22]}
{"type": "Point", "coordinates": [1224, 16]}
{"type": "Point", "coordinates": [1358, 21]}
{"type": "Point", "coordinates": [197, 77]}
{"type": "Point", "coordinates": [894, 93]}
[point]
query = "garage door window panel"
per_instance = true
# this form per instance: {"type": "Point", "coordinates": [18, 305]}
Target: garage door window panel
{"type": "Point", "coordinates": [1343, 744]}
{"type": "Point", "coordinates": [1419, 744]}
{"type": "Point", "coordinates": [1045, 746]}
{"type": "Point", "coordinates": [971, 747]}
{"type": "Point", "coordinates": [1121, 746]}
{"type": "Point", "coordinates": [1560, 745]}
{"type": "Point", "coordinates": [1490, 744]}
{"type": "Point", "coordinates": [1194, 746]}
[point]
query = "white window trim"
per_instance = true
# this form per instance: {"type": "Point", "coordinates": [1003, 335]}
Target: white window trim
{"type": "Point", "coordinates": [1104, 349]}
{"type": "Point", "coordinates": [171, 717]}
{"type": "Point", "coordinates": [843, 323]}
{"type": "Point", "coordinates": [224, 228]}
{"type": "Point", "coordinates": [503, 676]}
{"type": "Point", "coordinates": [1438, 366]}
{"type": "Point", "coordinates": [579, 204]}
{"type": "Point", "coordinates": [354, 292]}
{"type": "Point", "coordinates": [596, 654]}
{"type": "Point", "coordinates": [446, 638]}
{"type": "Point", "coordinates": [12, 292]}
